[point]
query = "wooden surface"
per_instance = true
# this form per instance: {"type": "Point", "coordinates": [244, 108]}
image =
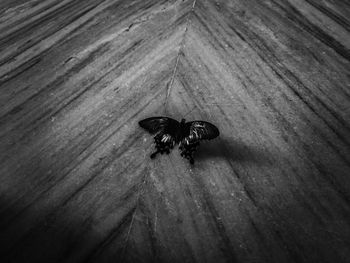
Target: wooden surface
{"type": "Point", "coordinates": [76, 180]}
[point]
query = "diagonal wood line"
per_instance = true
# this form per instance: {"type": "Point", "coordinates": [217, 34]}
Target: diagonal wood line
{"type": "Point", "coordinates": [116, 231]}
{"type": "Point", "coordinates": [141, 188]}
{"type": "Point", "coordinates": [317, 32]}
{"type": "Point", "coordinates": [330, 13]}
{"type": "Point", "coordinates": [170, 85]}
{"type": "Point", "coordinates": [14, 62]}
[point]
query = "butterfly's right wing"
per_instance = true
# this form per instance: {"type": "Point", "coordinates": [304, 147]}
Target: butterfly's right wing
{"type": "Point", "coordinates": [195, 132]}
{"type": "Point", "coordinates": [201, 130]}
{"type": "Point", "coordinates": [166, 130]}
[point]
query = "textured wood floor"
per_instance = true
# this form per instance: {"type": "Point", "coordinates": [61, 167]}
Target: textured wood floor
{"type": "Point", "coordinates": [76, 180]}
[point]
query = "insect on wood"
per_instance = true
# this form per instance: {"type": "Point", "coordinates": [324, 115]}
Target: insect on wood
{"type": "Point", "coordinates": [169, 132]}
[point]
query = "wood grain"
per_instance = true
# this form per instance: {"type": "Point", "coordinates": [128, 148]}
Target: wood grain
{"type": "Point", "coordinates": [76, 180]}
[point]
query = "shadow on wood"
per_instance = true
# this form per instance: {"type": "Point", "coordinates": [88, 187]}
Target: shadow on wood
{"type": "Point", "coordinates": [232, 150]}
{"type": "Point", "coordinates": [42, 238]}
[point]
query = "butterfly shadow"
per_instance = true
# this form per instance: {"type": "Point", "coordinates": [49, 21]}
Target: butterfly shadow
{"type": "Point", "coordinates": [231, 150]}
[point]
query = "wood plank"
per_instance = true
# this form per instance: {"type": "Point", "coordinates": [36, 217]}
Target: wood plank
{"type": "Point", "coordinates": [76, 180]}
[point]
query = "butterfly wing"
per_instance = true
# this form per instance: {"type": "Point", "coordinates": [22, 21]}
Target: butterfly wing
{"type": "Point", "coordinates": [201, 130]}
{"type": "Point", "coordinates": [156, 124]}
{"type": "Point", "coordinates": [166, 130]}
{"type": "Point", "coordinates": [194, 132]}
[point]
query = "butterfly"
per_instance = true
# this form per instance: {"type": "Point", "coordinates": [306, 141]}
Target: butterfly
{"type": "Point", "coordinates": [169, 132]}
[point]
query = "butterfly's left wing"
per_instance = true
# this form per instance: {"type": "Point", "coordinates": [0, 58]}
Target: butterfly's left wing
{"type": "Point", "coordinates": [160, 124]}
{"type": "Point", "coordinates": [195, 132]}
{"type": "Point", "coordinates": [166, 130]}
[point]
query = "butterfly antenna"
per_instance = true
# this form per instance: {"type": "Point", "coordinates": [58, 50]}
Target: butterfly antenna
{"type": "Point", "coordinates": [177, 59]}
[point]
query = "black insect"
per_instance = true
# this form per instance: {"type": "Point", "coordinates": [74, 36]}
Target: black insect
{"type": "Point", "coordinates": [170, 132]}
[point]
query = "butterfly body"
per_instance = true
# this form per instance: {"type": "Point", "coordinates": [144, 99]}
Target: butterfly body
{"type": "Point", "coordinates": [169, 132]}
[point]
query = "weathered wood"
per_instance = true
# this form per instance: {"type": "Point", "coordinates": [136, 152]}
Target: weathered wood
{"type": "Point", "coordinates": [76, 180]}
